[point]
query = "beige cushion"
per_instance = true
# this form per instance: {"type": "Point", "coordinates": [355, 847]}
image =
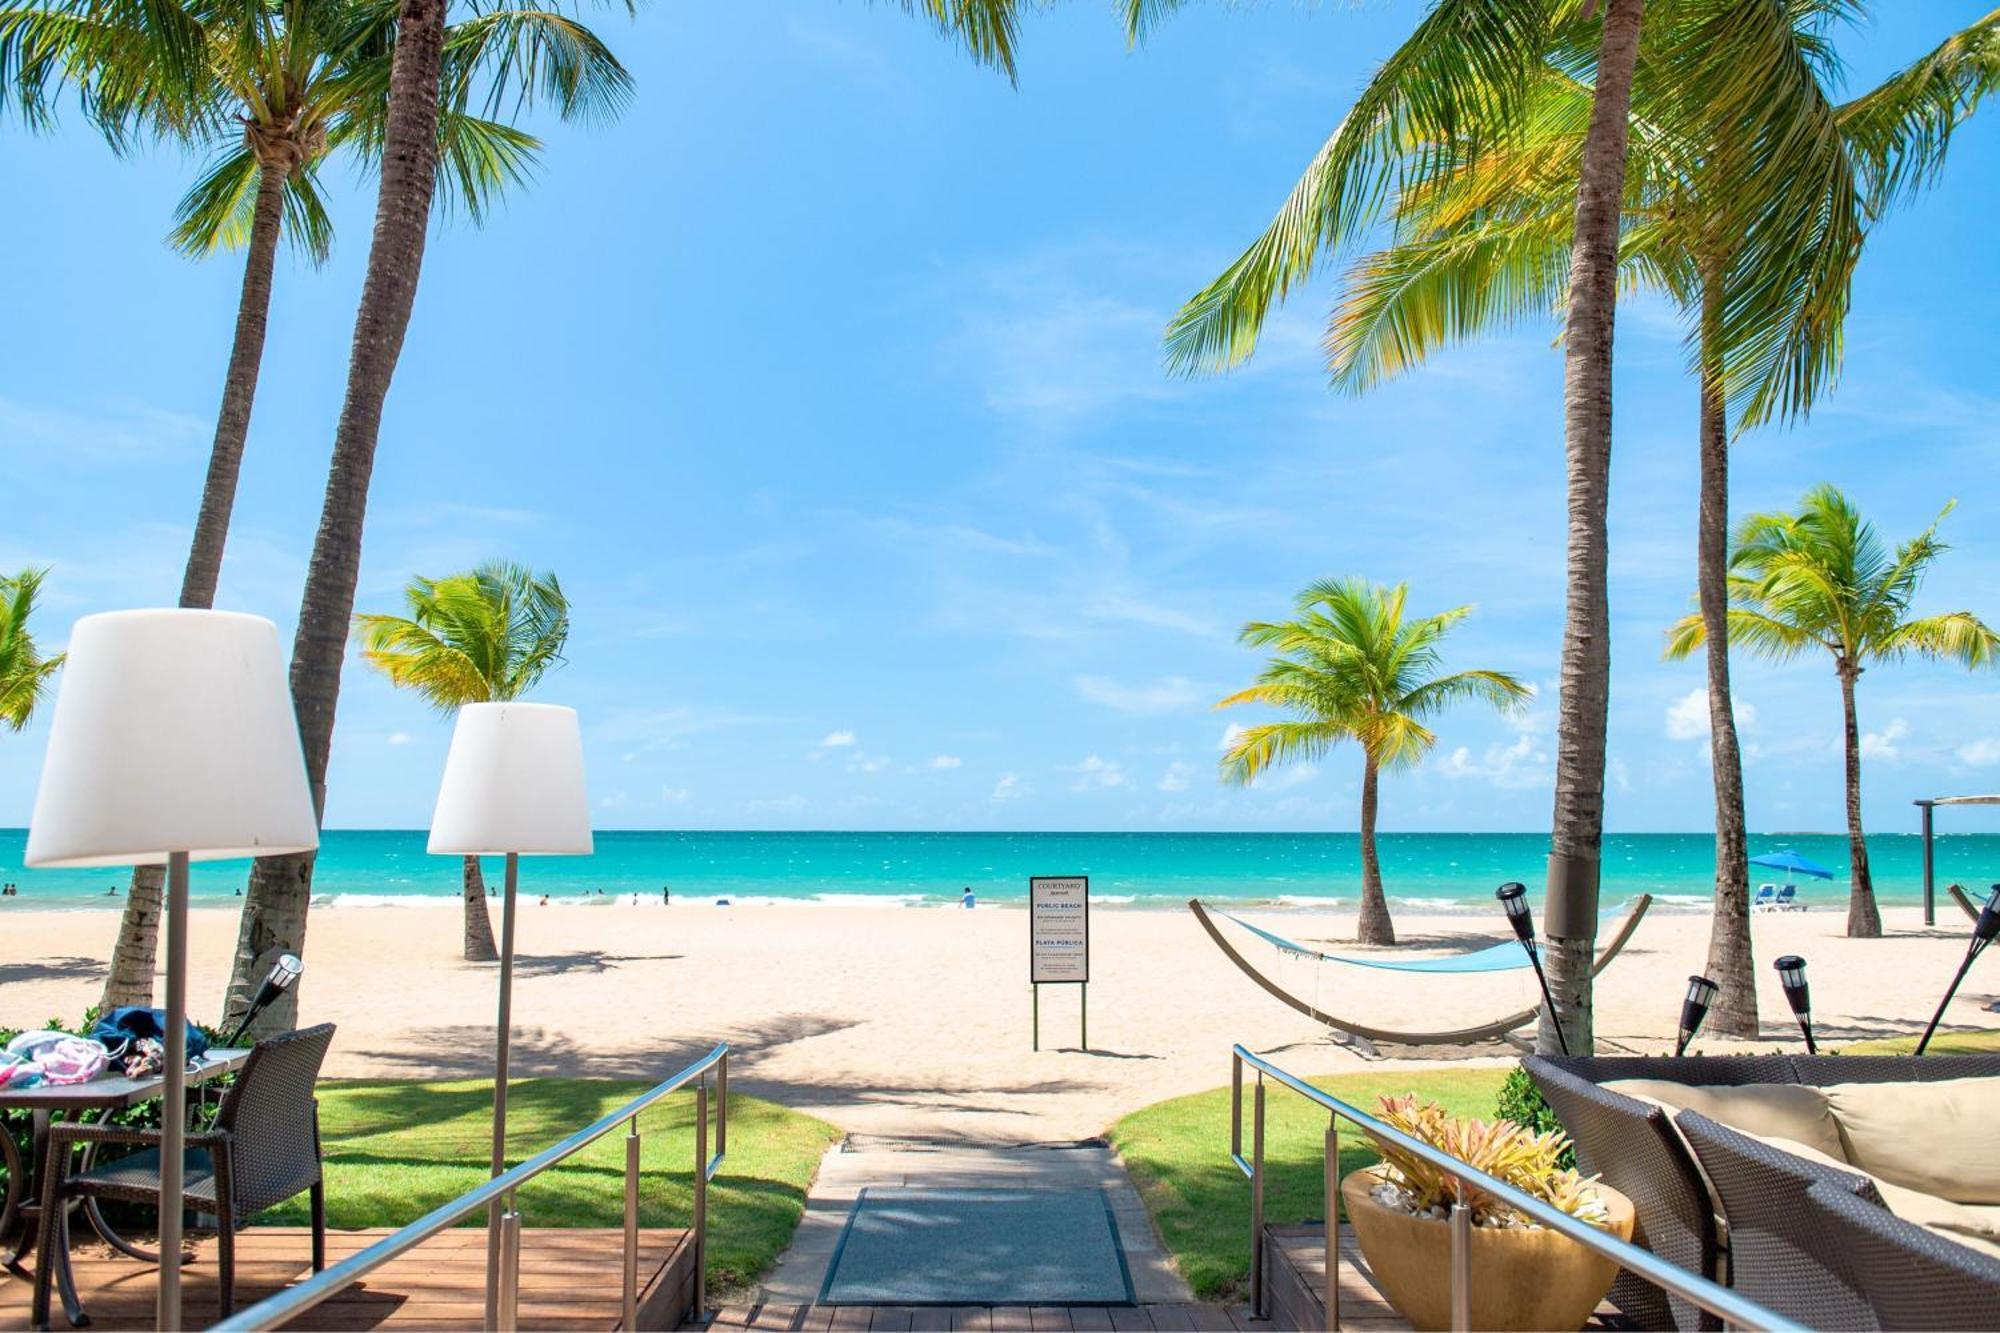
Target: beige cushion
{"type": "Point", "coordinates": [1764, 1110]}
{"type": "Point", "coordinates": [1941, 1138]}
{"type": "Point", "coordinates": [1977, 1227]}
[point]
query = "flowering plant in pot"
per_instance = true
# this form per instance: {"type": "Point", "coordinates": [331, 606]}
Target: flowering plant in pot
{"type": "Point", "coordinates": [1524, 1275]}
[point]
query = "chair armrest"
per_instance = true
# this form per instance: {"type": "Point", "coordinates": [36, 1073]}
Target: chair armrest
{"type": "Point", "coordinates": [63, 1134]}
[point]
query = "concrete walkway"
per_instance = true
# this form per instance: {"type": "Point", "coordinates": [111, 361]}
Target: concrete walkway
{"type": "Point", "coordinates": [862, 1163]}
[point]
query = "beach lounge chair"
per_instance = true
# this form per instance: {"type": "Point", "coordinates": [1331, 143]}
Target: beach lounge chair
{"type": "Point", "coordinates": [263, 1150]}
{"type": "Point", "coordinates": [1788, 899]}
{"type": "Point", "coordinates": [1767, 898]}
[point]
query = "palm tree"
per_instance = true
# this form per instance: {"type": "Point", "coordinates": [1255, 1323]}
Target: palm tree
{"type": "Point", "coordinates": [272, 92]}
{"type": "Point", "coordinates": [482, 637]}
{"type": "Point", "coordinates": [1822, 578]}
{"type": "Point", "coordinates": [24, 672]}
{"type": "Point", "coordinates": [1459, 86]}
{"type": "Point", "coordinates": [274, 906]}
{"type": "Point", "coordinates": [1485, 243]}
{"type": "Point", "coordinates": [1349, 667]}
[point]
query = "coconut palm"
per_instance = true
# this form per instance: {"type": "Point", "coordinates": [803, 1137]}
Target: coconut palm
{"type": "Point", "coordinates": [24, 672]}
{"type": "Point", "coordinates": [1349, 667]}
{"type": "Point", "coordinates": [274, 906]}
{"type": "Point", "coordinates": [1485, 243]}
{"type": "Point", "coordinates": [481, 637]}
{"type": "Point", "coordinates": [273, 92]}
{"type": "Point", "coordinates": [1781, 239]}
{"type": "Point", "coordinates": [1821, 578]}
{"type": "Point", "coordinates": [1458, 86]}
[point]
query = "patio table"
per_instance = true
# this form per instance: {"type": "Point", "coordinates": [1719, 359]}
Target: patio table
{"type": "Point", "coordinates": [20, 1212]}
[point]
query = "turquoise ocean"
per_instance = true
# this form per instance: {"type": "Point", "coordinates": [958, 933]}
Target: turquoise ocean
{"type": "Point", "coordinates": [387, 867]}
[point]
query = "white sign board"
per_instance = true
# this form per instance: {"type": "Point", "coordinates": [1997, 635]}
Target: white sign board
{"type": "Point", "coordinates": [1058, 928]}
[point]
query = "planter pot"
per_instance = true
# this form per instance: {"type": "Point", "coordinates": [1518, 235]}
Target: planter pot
{"type": "Point", "coordinates": [1523, 1278]}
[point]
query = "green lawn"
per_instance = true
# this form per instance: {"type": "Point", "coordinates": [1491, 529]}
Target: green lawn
{"type": "Point", "coordinates": [1944, 1043]}
{"type": "Point", "coordinates": [395, 1150]}
{"type": "Point", "coordinates": [1178, 1155]}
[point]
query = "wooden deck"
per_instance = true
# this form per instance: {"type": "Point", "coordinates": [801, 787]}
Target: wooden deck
{"type": "Point", "coordinates": [570, 1280]}
{"type": "Point", "coordinates": [1295, 1276]}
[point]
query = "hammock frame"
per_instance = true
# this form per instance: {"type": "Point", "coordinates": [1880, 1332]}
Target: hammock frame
{"type": "Point", "coordinates": [1491, 1031]}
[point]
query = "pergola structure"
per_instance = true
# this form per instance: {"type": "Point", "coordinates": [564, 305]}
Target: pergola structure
{"type": "Point", "coordinates": [1930, 896]}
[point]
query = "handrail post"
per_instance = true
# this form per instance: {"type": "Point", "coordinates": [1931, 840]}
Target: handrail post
{"type": "Point", "coordinates": [1235, 1106]}
{"type": "Point", "coordinates": [1257, 1203]}
{"type": "Point", "coordinates": [1332, 1221]}
{"type": "Point", "coordinates": [722, 1107]}
{"type": "Point", "coordinates": [510, 1268]}
{"type": "Point", "coordinates": [632, 1225]}
{"type": "Point", "coordinates": [1461, 1263]}
{"type": "Point", "coordinates": [700, 1198]}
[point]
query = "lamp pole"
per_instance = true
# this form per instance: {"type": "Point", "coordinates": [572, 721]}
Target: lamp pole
{"type": "Point", "coordinates": [1792, 976]}
{"type": "Point", "coordinates": [1513, 897]}
{"type": "Point", "coordinates": [1694, 1008]}
{"type": "Point", "coordinates": [504, 1025]}
{"type": "Point", "coordinates": [173, 1105]}
{"type": "Point", "coordinates": [1983, 931]}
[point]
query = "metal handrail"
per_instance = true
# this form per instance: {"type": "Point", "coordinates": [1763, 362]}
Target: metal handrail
{"type": "Point", "coordinates": [293, 1301]}
{"type": "Point", "coordinates": [1720, 1301]}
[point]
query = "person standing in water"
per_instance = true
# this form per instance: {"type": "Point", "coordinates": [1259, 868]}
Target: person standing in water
{"type": "Point", "coordinates": [968, 901]}
{"type": "Point", "coordinates": [666, 895]}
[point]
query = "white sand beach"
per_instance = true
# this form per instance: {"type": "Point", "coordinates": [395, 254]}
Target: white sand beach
{"type": "Point", "coordinates": [916, 1021]}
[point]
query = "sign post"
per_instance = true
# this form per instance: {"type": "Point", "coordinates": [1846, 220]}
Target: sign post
{"type": "Point", "coordinates": [1059, 943]}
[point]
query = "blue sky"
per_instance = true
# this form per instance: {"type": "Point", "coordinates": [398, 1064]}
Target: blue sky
{"type": "Point", "coordinates": [828, 379]}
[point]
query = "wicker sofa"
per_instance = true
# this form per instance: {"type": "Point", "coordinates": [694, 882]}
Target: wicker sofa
{"type": "Point", "coordinates": [1834, 1122]}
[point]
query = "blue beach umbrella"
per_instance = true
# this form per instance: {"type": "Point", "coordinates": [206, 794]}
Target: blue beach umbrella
{"type": "Point", "coordinates": [1792, 863]}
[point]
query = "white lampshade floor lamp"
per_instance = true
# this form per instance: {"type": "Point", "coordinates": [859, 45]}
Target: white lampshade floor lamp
{"type": "Point", "coordinates": [513, 787]}
{"type": "Point", "coordinates": [173, 739]}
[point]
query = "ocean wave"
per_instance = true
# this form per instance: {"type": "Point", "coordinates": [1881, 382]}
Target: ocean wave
{"type": "Point", "coordinates": [1432, 904]}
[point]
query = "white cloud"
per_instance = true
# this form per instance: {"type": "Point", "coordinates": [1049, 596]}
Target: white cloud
{"type": "Point", "coordinates": [1096, 773]}
{"type": "Point", "coordinates": [1178, 776]}
{"type": "Point", "coordinates": [867, 763]}
{"type": "Point", "coordinates": [1687, 716]}
{"type": "Point", "coordinates": [1230, 735]}
{"type": "Point", "coordinates": [1980, 753]}
{"type": "Point", "coordinates": [1159, 696]}
{"type": "Point", "coordinates": [1278, 779]}
{"type": "Point", "coordinates": [1883, 744]}
{"type": "Point", "coordinates": [399, 738]}
{"type": "Point", "coordinates": [947, 761]}
{"type": "Point", "coordinates": [675, 795]}
{"type": "Point", "coordinates": [1521, 765]}
{"type": "Point", "coordinates": [835, 740]}
{"type": "Point", "coordinates": [1009, 788]}
{"type": "Point", "coordinates": [778, 805]}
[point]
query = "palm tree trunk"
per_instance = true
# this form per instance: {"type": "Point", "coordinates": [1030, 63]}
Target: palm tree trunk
{"type": "Point", "coordinates": [1577, 830]}
{"type": "Point", "coordinates": [479, 946]}
{"type": "Point", "coordinates": [1375, 926]}
{"type": "Point", "coordinates": [131, 979]}
{"type": "Point", "coordinates": [1731, 963]}
{"type": "Point", "coordinates": [1864, 919]}
{"type": "Point", "coordinates": [274, 907]}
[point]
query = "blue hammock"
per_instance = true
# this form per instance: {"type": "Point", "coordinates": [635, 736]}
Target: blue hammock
{"type": "Point", "coordinates": [1505, 957]}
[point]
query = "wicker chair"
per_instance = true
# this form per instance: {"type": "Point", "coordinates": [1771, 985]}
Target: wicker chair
{"type": "Point", "coordinates": [1912, 1279]}
{"type": "Point", "coordinates": [1781, 1253]}
{"type": "Point", "coordinates": [263, 1150]}
{"type": "Point", "coordinates": [1633, 1147]}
